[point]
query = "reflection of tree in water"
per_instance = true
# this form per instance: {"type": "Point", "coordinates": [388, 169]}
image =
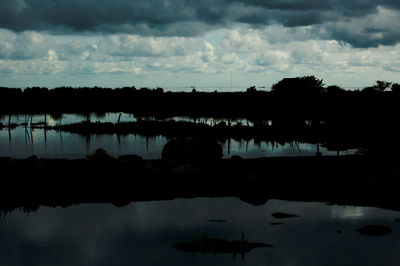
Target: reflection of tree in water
{"type": "Point", "coordinates": [206, 244]}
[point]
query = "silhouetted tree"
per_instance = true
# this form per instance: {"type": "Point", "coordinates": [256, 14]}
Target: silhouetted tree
{"type": "Point", "coordinates": [144, 90]}
{"type": "Point", "coordinates": [63, 91]}
{"type": "Point", "coordinates": [381, 85]}
{"type": "Point", "coordinates": [307, 85]}
{"type": "Point", "coordinates": [333, 90]}
{"type": "Point", "coordinates": [10, 92]}
{"type": "Point", "coordinates": [36, 92]}
{"type": "Point", "coordinates": [251, 89]}
{"type": "Point", "coordinates": [159, 90]}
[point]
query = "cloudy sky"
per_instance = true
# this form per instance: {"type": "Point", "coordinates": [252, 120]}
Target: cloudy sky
{"type": "Point", "coordinates": [179, 43]}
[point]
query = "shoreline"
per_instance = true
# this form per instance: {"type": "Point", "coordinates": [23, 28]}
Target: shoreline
{"type": "Point", "coordinates": [346, 180]}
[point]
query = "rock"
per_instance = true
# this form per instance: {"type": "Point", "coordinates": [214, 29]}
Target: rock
{"type": "Point", "coordinates": [236, 158]}
{"type": "Point", "coordinates": [32, 158]}
{"type": "Point", "coordinates": [186, 169]}
{"type": "Point", "coordinates": [282, 215]}
{"type": "Point", "coordinates": [254, 199]}
{"type": "Point", "coordinates": [374, 230]}
{"type": "Point", "coordinates": [120, 203]}
{"type": "Point", "coordinates": [130, 158]}
{"type": "Point", "coordinates": [216, 245]}
{"type": "Point", "coordinates": [99, 155]}
{"type": "Point", "coordinates": [192, 149]}
{"type": "Point", "coordinates": [34, 162]}
{"type": "Point", "coordinates": [150, 169]}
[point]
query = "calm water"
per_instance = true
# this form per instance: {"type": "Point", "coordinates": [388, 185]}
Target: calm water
{"type": "Point", "coordinates": [142, 234]}
{"type": "Point", "coordinates": [21, 142]}
{"type": "Point", "coordinates": [69, 118]}
{"type": "Point", "coordinates": [111, 117]}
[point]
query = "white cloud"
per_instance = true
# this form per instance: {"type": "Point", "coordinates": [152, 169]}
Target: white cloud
{"type": "Point", "coordinates": [257, 56]}
{"type": "Point", "coordinates": [76, 49]}
{"type": "Point", "coordinates": [25, 45]}
{"type": "Point", "coordinates": [137, 46]}
{"type": "Point", "coordinates": [243, 41]}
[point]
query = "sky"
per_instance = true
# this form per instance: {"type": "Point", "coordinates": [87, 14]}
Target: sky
{"type": "Point", "coordinates": [208, 43]}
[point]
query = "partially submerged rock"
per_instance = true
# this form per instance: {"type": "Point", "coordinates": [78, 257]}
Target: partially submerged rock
{"type": "Point", "coordinates": [236, 157]}
{"type": "Point", "coordinates": [217, 245]}
{"type": "Point", "coordinates": [99, 155]}
{"type": "Point", "coordinates": [32, 158]}
{"type": "Point", "coordinates": [374, 230]}
{"type": "Point", "coordinates": [282, 215]}
{"type": "Point", "coordinates": [34, 162]}
{"type": "Point", "coordinates": [256, 200]}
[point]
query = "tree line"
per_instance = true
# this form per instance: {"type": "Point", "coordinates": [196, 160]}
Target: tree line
{"type": "Point", "coordinates": [306, 85]}
{"type": "Point", "coordinates": [301, 97]}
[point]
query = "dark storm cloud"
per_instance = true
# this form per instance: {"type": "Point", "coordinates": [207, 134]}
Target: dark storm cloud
{"type": "Point", "coordinates": [192, 17]}
{"type": "Point", "coordinates": [91, 15]}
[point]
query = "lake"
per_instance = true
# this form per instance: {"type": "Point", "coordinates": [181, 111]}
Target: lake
{"type": "Point", "coordinates": [22, 142]}
{"type": "Point", "coordinates": [142, 233]}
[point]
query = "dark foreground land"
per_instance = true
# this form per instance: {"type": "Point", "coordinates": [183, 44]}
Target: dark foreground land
{"type": "Point", "coordinates": [353, 180]}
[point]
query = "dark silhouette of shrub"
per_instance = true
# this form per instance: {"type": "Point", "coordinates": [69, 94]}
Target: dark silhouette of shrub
{"type": "Point", "coordinates": [395, 88]}
{"type": "Point", "coordinates": [252, 89]}
{"type": "Point", "coordinates": [333, 90]}
{"type": "Point", "coordinates": [381, 85]}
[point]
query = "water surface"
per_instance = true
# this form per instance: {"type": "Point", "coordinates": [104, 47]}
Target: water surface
{"type": "Point", "coordinates": [142, 234]}
{"type": "Point", "coordinates": [22, 142]}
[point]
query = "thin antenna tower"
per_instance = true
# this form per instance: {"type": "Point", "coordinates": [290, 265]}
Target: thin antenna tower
{"type": "Point", "coordinates": [231, 79]}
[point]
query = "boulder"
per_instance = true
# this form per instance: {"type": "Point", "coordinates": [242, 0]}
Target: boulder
{"type": "Point", "coordinates": [186, 169]}
{"type": "Point", "coordinates": [236, 158]}
{"type": "Point", "coordinates": [34, 163]}
{"type": "Point", "coordinates": [99, 155]}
